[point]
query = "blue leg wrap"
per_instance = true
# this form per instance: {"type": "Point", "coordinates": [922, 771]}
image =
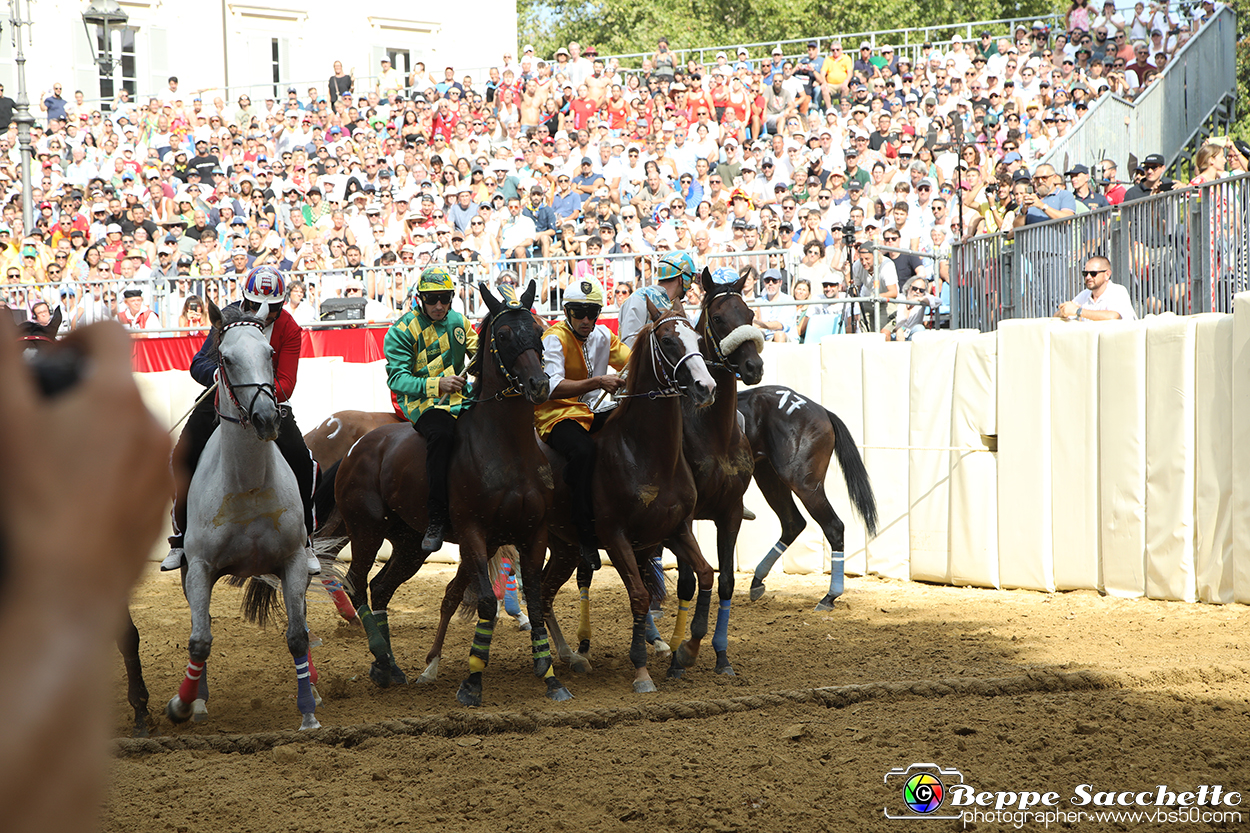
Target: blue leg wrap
{"type": "Point", "coordinates": [837, 574]}
{"type": "Point", "coordinates": [766, 564]}
{"type": "Point", "coordinates": [511, 604]}
{"type": "Point", "coordinates": [657, 568]}
{"type": "Point", "coordinates": [653, 633]}
{"type": "Point", "coordinates": [304, 699]}
{"type": "Point", "coordinates": [720, 637]}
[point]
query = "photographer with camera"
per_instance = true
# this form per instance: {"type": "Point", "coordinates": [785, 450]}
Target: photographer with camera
{"type": "Point", "coordinates": [1048, 202]}
{"type": "Point", "coordinates": [1152, 182]}
{"type": "Point", "coordinates": [1083, 191]}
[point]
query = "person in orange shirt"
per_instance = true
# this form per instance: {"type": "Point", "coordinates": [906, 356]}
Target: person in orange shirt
{"type": "Point", "coordinates": [836, 71]}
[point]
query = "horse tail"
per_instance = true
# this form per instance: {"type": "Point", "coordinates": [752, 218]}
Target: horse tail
{"type": "Point", "coordinates": [467, 612]}
{"type": "Point", "coordinates": [858, 485]}
{"type": "Point", "coordinates": [652, 572]}
{"type": "Point", "coordinates": [260, 601]}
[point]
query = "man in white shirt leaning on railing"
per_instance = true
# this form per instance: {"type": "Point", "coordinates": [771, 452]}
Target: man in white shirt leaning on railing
{"type": "Point", "coordinates": [1101, 299]}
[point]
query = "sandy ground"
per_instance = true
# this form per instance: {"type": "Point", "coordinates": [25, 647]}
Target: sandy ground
{"type": "Point", "coordinates": [1018, 691]}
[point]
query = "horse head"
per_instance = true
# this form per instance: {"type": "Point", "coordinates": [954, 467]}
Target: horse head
{"type": "Point", "coordinates": [675, 346]}
{"type": "Point", "coordinates": [729, 336]}
{"type": "Point", "coordinates": [514, 337]}
{"type": "Point", "coordinates": [245, 371]}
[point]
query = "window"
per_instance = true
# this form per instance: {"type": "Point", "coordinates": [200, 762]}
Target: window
{"type": "Point", "coordinates": [401, 60]}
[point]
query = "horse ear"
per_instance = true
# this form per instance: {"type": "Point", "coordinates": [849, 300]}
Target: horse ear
{"type": "Point", "coordinates": [492, 303]}
{"type": "Point", "coordinates": [214, 315]}
{"type": "Point", "coordinates": [54, 325]}
{"type": "Point", "coordinates": [705, 281]}
{"type": "Point", "coordinates": [741, 284]}
{"type": "Point", "coordinates": [678, 307]}
{"type": "Point", "coordinates": [527, 299]}
{"type": "Point", "coordinates": [653, 312]}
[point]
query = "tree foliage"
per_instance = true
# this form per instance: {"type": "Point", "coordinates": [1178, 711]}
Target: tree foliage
{"type": "Point", "coordinates": [629, 26]}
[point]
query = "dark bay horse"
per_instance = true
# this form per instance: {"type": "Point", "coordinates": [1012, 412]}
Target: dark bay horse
{"type": "Point", "coordinates": [500, 490]}
{"type": "Point", "coordinates": [56, 370]}
{"type": "Point", "coordinates": [644, 490]}
{"type": "Point", "coordinates": [334, 437]}
{"type": "Point", "coordinates": [793, 439]}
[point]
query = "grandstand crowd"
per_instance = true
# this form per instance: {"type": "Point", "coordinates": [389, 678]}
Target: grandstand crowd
{"type": "Point", "coordinates": [569, 165]}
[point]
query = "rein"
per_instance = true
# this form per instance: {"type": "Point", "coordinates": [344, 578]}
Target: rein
{"type": "Point", "coordinates": [664, 370]}
{"type": "Point", "coordinates": [225, 384]}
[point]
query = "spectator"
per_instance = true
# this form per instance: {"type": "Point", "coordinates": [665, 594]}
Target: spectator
{"type": "Point", "coordinates": [777, 323]}
{"type": "Point", "coordinates": [1101, 299]}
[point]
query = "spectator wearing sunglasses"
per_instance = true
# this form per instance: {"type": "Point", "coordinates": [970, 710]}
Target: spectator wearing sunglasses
{"type": "Point", "coordinates": [1101, 299]}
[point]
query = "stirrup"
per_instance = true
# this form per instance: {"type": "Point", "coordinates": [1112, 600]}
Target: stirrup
{"type": "Point", "coordinates": [173, 561]}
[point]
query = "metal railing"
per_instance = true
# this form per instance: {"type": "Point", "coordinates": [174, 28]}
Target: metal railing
{"type": "Point", "coordinates": [909, 39]}
{"type": "Point", "coordinates": [1166, 116]}
{"type": "Point", "coordinates": [1184, 251]}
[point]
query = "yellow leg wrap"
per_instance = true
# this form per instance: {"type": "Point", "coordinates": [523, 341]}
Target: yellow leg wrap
{"type": "Point", "coordinates": [476, 664]}
{"type": "Point", "coordinates": [583, 625]}
{"type": "Point", "coordinates": [551, 672]}
{"type": "Point", "coordinates": [679, 627]}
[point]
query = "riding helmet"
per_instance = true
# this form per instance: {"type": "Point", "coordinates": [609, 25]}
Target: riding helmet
{"type": "Point", "coordinates": [265, 285]}
{"type": "Point", "coordinates": [436, 279]}
{"type": "Point", "coordinates": [677, 265]}
{"type": "Point", "coordinates": [586, 290]}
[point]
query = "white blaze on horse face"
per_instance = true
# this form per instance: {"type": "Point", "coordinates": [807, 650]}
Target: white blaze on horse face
{"type": "Point", "coordinates": [698, 368]}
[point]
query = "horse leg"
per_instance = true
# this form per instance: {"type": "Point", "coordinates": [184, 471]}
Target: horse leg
{"type": "Point", "coordinates": [197, 585]}
{"type": "Point", "coordinates": [726, 535]}
{"type": "Point", "coordinates": [686, 548]}
{"type": "Point", "coordinates": [294, 586]}
{"type": "Point", "coordinates": [685, 596]}
{"type": "Point", "coordinates": [136, 690]}
{"type": "Point", "coordinates": [531, 563]}
{"type": "Point", "coordinates": [406, 558]}
{"type": "Point", "coordinates": [451, 601]}
{"type": "Point", "coordinates": [513, 591]}
{"type": "Point", "coordinates": [650, 561]}
{"type": "Point", "coordinates": [473, 551]}
{"type": "Point", "coordinates": [563, 561]}
{"type": "Point", "coordinates": [585, 576]}
{"type": "Point", "coordinates": [818, 506]}
{"type": "Point", "coordinates": [777, 493]}
{"type": "Point", "coordinates": [622, 555]}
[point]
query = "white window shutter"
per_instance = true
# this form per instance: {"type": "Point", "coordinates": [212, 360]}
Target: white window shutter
{"type": "Point", "coordinates": [158, 63]}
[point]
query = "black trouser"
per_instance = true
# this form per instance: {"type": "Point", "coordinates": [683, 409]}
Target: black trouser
{"type": "Point", "coordinates": [578, 450]}
{"type": "Point", "coordinates": [438, 427]}
{"type": "Point", "coordinates": [200, 426]}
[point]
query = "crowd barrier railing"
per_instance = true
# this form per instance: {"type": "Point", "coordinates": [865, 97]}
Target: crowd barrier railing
{"type": "Point", "coordinates": [1184, 251]}
{"type": "Point", "coordinates": [1167, 115]}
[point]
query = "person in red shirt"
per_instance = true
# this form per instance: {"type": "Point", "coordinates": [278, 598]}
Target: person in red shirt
{"type": "Point", "coordinates": [582, 107]}
{"type": "Point", "coordinates": [264, 290]}
{"type": "Point", "coordinates": [617, 108]}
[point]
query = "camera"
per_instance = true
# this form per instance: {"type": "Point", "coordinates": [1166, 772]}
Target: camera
{"type": "Point", "coordinates": [1028, 189]}
{"type": "Point", "coordinates": [922, 788]}
{"type": "Point", "coordinates": [848, 234]}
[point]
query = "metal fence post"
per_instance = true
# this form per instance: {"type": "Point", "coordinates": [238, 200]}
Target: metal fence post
{"type": "Point", "coordinates": [1202, 270]}
{"type": "Point", "coordinates": [1011, 280]}
{"type": "Point", "coordinates": [1117, 253]}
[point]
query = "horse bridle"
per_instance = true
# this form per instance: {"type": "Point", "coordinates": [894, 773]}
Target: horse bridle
{"type": "Point", "coordinates": [266, 388]}
{"type": "Point", "coordinates": [514, 387]}
{"type": "Point", "coordinates": [741, 334]}
{"type": "Point", "coordinates": [666, 371]}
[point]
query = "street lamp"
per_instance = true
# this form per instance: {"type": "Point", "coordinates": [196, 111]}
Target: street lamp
{"type": "Point", "coordinates": [103, 13]}
{"type": "Point", "coordinates": [21, 112]}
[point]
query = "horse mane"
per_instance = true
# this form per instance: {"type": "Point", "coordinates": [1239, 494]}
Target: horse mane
{"type": "Point", "coordinates": [233, 315]}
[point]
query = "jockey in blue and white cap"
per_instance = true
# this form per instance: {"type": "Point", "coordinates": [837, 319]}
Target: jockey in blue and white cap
{"type": "Point", "coordinates": [674, 278]}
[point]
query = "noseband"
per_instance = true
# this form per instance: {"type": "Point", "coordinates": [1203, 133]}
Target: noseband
{"type": "Point", "coordinates": [513, 387]}
{"type": "Point", "coordinates": [666, 371]}
{"type": "Point", "coordinates": [267, 388]}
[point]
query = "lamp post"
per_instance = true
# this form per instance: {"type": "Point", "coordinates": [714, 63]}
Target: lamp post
{"type": "Point", "coordinates": [104, 13]}
{"type": "Point", "coordinates": [21, 112]}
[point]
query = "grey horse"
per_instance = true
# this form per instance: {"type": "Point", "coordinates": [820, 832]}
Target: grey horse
{"type": "Point", "coordinates": [244, 514]}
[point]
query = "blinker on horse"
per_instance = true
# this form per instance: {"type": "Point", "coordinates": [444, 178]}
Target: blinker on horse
{"type": "Point", "coordinates": [244, 513]}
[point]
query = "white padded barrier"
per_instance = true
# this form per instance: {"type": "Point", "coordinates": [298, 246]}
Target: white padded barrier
{"type": "Point", "coordinates": [1024, 498]}
{"type": "Point", "coordinates": [1239, 448]}
{"type": "Point", "coordinates": [1213, 417]}
{"type": "Point", "coordinates": [1122, 456]}
{"type": "Point", "coordinates": [1074, 455]}
{"type": "Point", "coordinates": [1170, 356]}
{"type": "Point", "coordinates": [842, 391]}
{"type": "Point", "coordinates": [887, 386]}
{"type": "Point", "coordinates": [929, 463]}
{"type": "Point", "coordinates": [974, 474]}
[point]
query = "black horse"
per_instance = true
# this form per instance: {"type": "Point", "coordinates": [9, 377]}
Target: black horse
{"type": "Point", "coordinates": [56, 369]}
{"type": "Point", "coordinates": [793, 438]}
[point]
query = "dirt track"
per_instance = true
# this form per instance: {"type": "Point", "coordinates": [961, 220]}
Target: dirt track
{"type": "Point", "coordinates": [1017, 690]}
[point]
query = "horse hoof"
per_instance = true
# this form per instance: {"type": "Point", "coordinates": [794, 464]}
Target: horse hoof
{"type": "Point", "coordinates": [141, 729]}
{"type": "Point", "coordinates": [684, 656]}
{"type": "Point", "coordinates": [523, 623]}
{"type": "Point", "coordinates": [825, 604]}
{"type": "Point", "coordinates": [398, 677]}
{"type": "Point", "coordinates": [380, 674]}
{"type": "Point", "coordinates": [662, 649]}
{"type": "Point", "coordinates": [177, 711]}
{"type": "Point", "coordinates": [557, 692]}
{"type": "Point", "coordinates": [469, 695]}
{"type": "Point", "coordinates": [656, 613]}
{"type": "Point", "coordinates": [309, 722]}
{"type": "Point", "coordinates": [676, 672]}
{"type": "Point", "coordinates": [757, 589]}
{"type": "Point", "coordinates": [644, 686]}
{"type": "Point", "coordinates": [726, 669]}
{"type": "Point", "coordinates": [579, 664]}
{"type": "Point", "coordinates": [199, 711]}
{"type": "Point", "coordinates": [430, 674]}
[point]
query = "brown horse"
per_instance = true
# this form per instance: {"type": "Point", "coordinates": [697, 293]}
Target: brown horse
{"type": "Point", "coordinates": [500, 494]}
{"type": "Point", "coordinates": [793, 439]}
{"type": "Point", "coordinates": [644, 491]}
{"type": "Point", "coordinates": [57, 370]}
{"type": "Point", "coordinates": [333, 438]}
